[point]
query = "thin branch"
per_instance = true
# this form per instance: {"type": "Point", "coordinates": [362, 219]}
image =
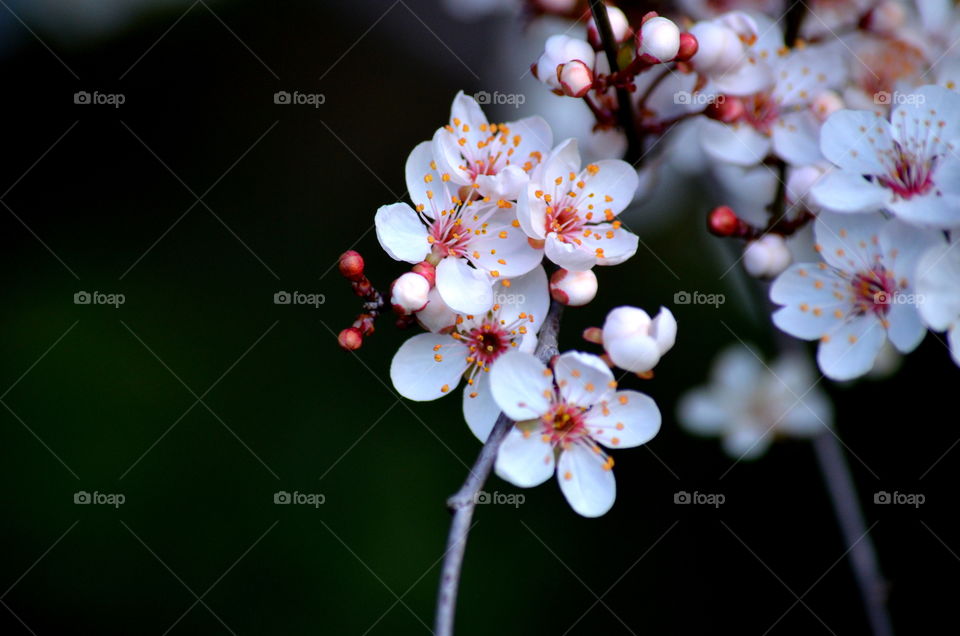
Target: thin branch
{"type": "Point", "coordinates": [625, 110]}
{"type": "Point", "coordinates": [464, 501]}
{"type": "Point", "coordinates": [863, 553]}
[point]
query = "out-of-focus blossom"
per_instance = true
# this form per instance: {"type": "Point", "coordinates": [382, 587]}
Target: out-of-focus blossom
{"type": "Point", "coordinates": [938, 283]}
{"type": "Point", "coordinates": [766, 256]}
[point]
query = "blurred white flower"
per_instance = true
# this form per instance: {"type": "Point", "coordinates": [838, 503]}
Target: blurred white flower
{"type": "Point", "coordinates": [563, 417]}
{"type": "Point", "coordinates": [748, 404]}
{"type": "Point", "coordinates": [938, 282]}
{"type": "Point", "coordinates": [767, 256]}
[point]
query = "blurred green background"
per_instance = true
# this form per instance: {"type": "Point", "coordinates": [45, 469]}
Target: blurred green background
{"type": "Point", "coordinates": [106, 399]}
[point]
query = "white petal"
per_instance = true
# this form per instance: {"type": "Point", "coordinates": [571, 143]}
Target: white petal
{"type": "Point", "coordinates": [436, 316]}
{"type": "Point", "coordinates": [843, 191]}
{"type": "Point", "coordinates": [416, 373]}
{"type": "Point", "coordinates": [627, 419]}
{"type": "Point", "coordinates": [701, 413]}
{"type": "Point", "coordinates": [905, 330]}
{"type": "Point", "coordinates": [953, 338]}
{"type": "Point", "coordinates": [810, 303]}
{"type": "Point", "coordinates": [480, 410]}
{"type": "Point", "coordinates": [524, 459]}
{"type": "Point", "coordinates": [586, 481]}
{"type": "Point", "coordinates": [850, 349]}
{"type": "Point", "coordinates": [504, 249]}
{"type": "Point", "coordinates": [401, 234]}
{"type": "Point", "coordinates": [508, 183]}
{"type": "Point", "coordinates": [734, 143]}
{"type": "Point", "coordinates": [563, 160]}
{"type": "Point", "coordinates": [938, 283]}
{"type": "Point", "coordinates": [419, 185]}
{"type": "Point", "coordinates": [747, 442]}
{"type": "Point", "coordinates": [611, 178]}
{"type": "Point", "coordinates": [521, 386]}
{"type": "Point", "coordinates": [850, 242]}
{"type": "Point", "coordinates": [619, 248]}
{"type": "Point", "coordinates": [583, 378]}
{"type": "Point", "coordinates": [532, 213]}
{"type": "Point", "coordinates": [463, 288]}
{"type": "Point", "coordinates": [637, 353]}
{"type": "Point", "coordinates": [855, 140]}
{"type": "Point", "coordinates": [527, 294]}
{"type": "Point", "coordinates": [576, 258]}
{"type": "Point", "coordinates": [796, 138]}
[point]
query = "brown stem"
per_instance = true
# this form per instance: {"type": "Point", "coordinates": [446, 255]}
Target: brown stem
{"type": "Point", "coordinates": [463, 502]}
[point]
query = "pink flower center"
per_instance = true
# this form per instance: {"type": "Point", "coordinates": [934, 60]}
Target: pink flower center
{"type": "Point", "coordinates": [873, 291]}
{"type": "Point", "coordinates": [564, 424]}
{"type": "Point", "coordinates": [761, 112]}
{"type": "Point", "coordinates": [908, 175]}
{"type": "Point", "coordinates": [487, 342]}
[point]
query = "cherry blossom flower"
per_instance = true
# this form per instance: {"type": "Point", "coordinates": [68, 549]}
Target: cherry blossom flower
{"type": "Point", "coordinates": [862, 294]}
{"type": "Point", "coordinates": [472, 240]}
{"type": "Point", "coordinates": [907, 166]}
{"type": "Point", "coordinates": [564, 415]}
{"type": "Point", "coordinates": [493, 158]}
{"type": "Point", "coordinates": [430, 365]}
{"type": "Point", "coordinates": [572, 212]}
{"type": "Point", "coordinates": [748, 404]}
{"type": "Point", "coordinates": [938, 282]}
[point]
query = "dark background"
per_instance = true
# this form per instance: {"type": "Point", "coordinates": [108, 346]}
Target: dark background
{"type": "Point", "coordinates": [103, 399]}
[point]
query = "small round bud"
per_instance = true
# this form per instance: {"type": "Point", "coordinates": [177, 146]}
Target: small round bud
{"type": "Point", "coordinates": [560, 49]}
{"type": "Point", "coordinates": [409, 293]}
{"type": "Point", "coordinates": [573, 289]}
{"type": "Point", "coordinates": [350, 339]}
{"type": "Point", "coordinates": [723, 221]}
{"type": "Point", "coordinates": [351, 265]}
{"type": "Point", "coordinates": [799, 182]}
{"type": "Point", "coordinates": [725, 109]}
{"type": "Point", "coordinates": [688, 47]}
{"type": "Point", "coordinates": [619, 26]}
{"type": "Point", "coordinates": [767, 256]}
{"type": "Point", "coordinates": [426, 270]}
{"type": "Point", "coordinates": [659, 38]}
{"type": "Point", "coordinates": [636, 343]}
{"type": "Point", "coordinates": [575, 77]}
{"type": "Point", "coordinates": [826, 104]}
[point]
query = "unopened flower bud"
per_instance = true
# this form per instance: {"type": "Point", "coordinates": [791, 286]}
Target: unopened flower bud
{"type": "Point", "coordinates": [351, 265]}
{"type": "Point", "coordinates": [688, 47]}
{"type": "Point", "coordinates": [409, 293]}
{"type": "Point", "coordinates": [619, 26]}
{"type": "Point", "coordinates": [826, 104]}
{"type": "Point", "coordinates": [350, 339]}
{"type": "Point", "coordinates": [636, 343]}
{"type": "Point", "coordinates": [575, 77]}
{"type": "Point", "coordinates": [723, 221]}
{"type": "Point", "coordinates": [574, 289]}
{"type": "Point", "coordinates": [719, 48]}
{"type": "Point", "coordinates": [725, 109]}
{"type": "Point", "coordinates": [426, 270]}
{"type": "Point", "coordinates": [560, 49]}
{"type": "Point", "coordinates": [767, 256]}
{"type": "Point", "coordinates": [659, 38]}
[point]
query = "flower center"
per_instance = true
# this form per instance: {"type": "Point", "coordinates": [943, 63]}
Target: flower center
{"type": "Point", "coordinates": [873, 291]}
{"type": "Point", "coordinates": [563, 424]}
{"type": "Point", "coordinates": [487, 342]}
{"type": "Point", "coordinates": [908, 174]}
{"type": "Point", "coordinates": [761, 112]}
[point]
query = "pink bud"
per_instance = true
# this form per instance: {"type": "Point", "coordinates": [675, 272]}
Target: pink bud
{"type": "Point", "coordinates": [688, 47]}
{"type": "Point", "coordinates": [725, 109]}
{"type": "Point", "coordinates": [350, 339]}
{"type": "Point", "coordinates": [426, 270]}
{"type": "Point", "coordinates": [351, 265]}
{"type": "Point", "coordinates": [723, 221]}
{"type": "Point", "coordinates": [574, 289]}
{"type": "Point", "coordinates": [575, 77]}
